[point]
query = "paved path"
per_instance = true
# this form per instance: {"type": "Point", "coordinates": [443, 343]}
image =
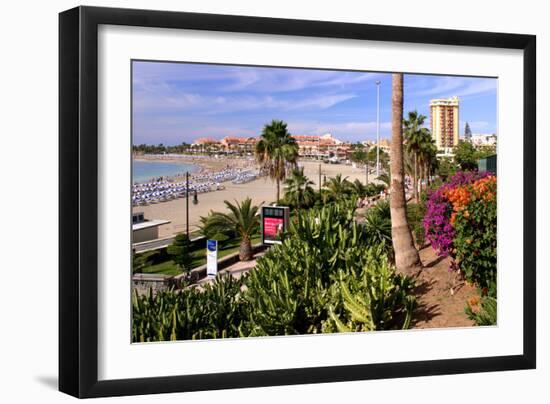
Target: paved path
{"type": "Point", "coordinates": [236, 270]}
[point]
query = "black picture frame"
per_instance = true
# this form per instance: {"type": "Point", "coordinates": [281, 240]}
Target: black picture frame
{"type": "Point", "coordinates": [78, 207]}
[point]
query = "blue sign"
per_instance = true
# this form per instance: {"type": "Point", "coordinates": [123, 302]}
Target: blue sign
{"type": "Point", "coordinates": [211, 257]}
{"type": "Point", "coordinates": [212, 245]}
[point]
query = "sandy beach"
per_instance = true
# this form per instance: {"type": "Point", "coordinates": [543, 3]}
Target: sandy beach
{"type": "Point", "coordinates": [205, 163]}
{"type": "Point", "coordinates": [261, 190]}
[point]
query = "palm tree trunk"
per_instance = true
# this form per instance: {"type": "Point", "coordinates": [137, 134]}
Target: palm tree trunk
{"type": "Point", "coordinates": [245, 250]}
{"type": "Point", "coordinates": [415, 181]}
{"type": "Point", "coordinates": [426, 176]}
{"type": "Point", "coordinates": [422, 178]}
{"type": "Point", "coordinates": [278, 190]}
{"type": "Point", "coordinates": [407, 259]}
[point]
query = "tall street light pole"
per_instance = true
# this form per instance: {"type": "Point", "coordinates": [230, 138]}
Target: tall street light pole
{"type": "Point", "coordinates": [377, 128]}
{"type": "Point", "coordinates": [319, 177]}
{"type": "Point", "coordinates": [187, 202]}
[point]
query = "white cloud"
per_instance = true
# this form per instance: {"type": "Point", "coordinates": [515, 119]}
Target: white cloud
{"type": "Point", "coordinates": [177, 101]}
{"type": "Point", "coordinates": [175, 129]}
{"type": "Point", "coordinates": [451, 86]}
{"type": "Point", "coordinates": [277, 80]}
{"type": "Point", "coordinates": [348, 131]}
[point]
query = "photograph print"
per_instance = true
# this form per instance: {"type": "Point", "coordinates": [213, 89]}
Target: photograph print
{"type": "Point", "coordinates": [273, 201]}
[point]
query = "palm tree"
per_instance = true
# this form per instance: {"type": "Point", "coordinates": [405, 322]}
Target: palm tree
{"type": "Point", "coordinates": [384, 178]}
{"type": "Point", "coordinates": [408, 166]}
{"type": "Point", "coordinates": [407, 259]}
{"type": "Point", "coordinates": [415, 137]}
{"type": "Point", "coordinates": [298, 188]}
{"type": "Point", "coordinates": [427, 158]}
{"type": "Point", "coordinates": [424, 155]}
{"type": "Point", "coordinates": [337, 187]}
{"type": "Point", "coordinates": [358, 188]}
{"type": "Point", "coordinates": [276, 152]}
{"type": "Point", "coordinates": [243, 219]}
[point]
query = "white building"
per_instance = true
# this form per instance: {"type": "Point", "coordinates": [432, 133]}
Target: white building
{"type": "Point", "coordinates": [484, 139]}
{"type": "Point", "coordinates": [145, 230]}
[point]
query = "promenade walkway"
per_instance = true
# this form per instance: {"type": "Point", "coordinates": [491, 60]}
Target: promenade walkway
{"type": "Point", "coordinates": [236, 270]}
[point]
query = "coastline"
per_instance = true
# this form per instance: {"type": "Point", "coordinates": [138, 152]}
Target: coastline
{"type": "Point", "coordinates": [206, 164]}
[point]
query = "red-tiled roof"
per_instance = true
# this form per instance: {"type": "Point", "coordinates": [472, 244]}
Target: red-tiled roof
{"type": "Point", "coordinates": [234, 139]}
{"type": "Point", "coordinates": [206, 140]}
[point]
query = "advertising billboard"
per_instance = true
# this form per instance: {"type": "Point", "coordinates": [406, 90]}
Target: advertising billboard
{"type": "Point", "coordinates": [274, 223]}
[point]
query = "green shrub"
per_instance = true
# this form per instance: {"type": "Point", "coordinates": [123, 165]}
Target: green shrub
{"type": "Point", "coordinates": [179, 251]}
{"type": "Point", "coordinates": [326, 266]}
{"type": "Point", "coordinates": [377, 226]}
{"type": "Point", "coordinates": [288, 290]}
{"type": "Point", "coordinates": [461, 222]}
{"type": "Point", "coordinates": [415, 216]}
{"type": "Point", "coordinates": [476, 236]}
{"type": "Point", "coordinates": [141, 261]}
{"type": "Point", "coordinates": [374, 189]}
{"type": "Point", "coordinates": [296, 284]}
{"type": "Point", "coordinates": [190, 313]}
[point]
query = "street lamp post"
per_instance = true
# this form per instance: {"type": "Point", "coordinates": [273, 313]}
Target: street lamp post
{"type": "Point", "coordinates": [377, 128]}
{"type": "Point", "coordinates": [319, 177]}
{"type": "Point", "coordinates": [187, 202]}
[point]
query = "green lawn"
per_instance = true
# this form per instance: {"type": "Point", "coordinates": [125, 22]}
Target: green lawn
{"type": "Point", "coordinates": [199, 258]}
{"type": "Point", "coordinates": [164, 268]}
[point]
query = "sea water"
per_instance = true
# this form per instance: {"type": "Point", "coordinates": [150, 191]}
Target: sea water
{"type": "Point", "coordinates": [143, 171]}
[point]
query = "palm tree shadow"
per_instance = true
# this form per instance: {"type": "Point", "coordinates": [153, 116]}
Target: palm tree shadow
{"type": "Point", "coordinates": [424, 312]}
{"type": "Point", "coordinates": [434, 262]}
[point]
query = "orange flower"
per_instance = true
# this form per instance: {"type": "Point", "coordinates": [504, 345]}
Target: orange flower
{"type": "Point", "coordinates": [485, 188]}
{"type": "Point", "coordinates": [459, 197]}
{"type": "Point", "coordinates": [474, 301]}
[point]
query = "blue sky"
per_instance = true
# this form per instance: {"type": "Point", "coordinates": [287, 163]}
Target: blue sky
{"type": "Point", "coordinates": [179, 102]}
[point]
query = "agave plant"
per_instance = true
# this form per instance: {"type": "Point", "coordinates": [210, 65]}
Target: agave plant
{"type": "Point", "coordinates": [375, 299]}
{"type": "Point", "coordinates": [326, 276]}
{"type": "Point", "coordinates": [295, 284]}
{"type": "Point", "coordinates": [216, 311]}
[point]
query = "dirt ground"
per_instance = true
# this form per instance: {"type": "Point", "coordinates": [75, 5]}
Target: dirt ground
{"type": "Point", "coordinates": [441, 296]}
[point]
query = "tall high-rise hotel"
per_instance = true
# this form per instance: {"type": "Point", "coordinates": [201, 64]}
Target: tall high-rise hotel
{"type": "Point", "coordinates": [444, 123]}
